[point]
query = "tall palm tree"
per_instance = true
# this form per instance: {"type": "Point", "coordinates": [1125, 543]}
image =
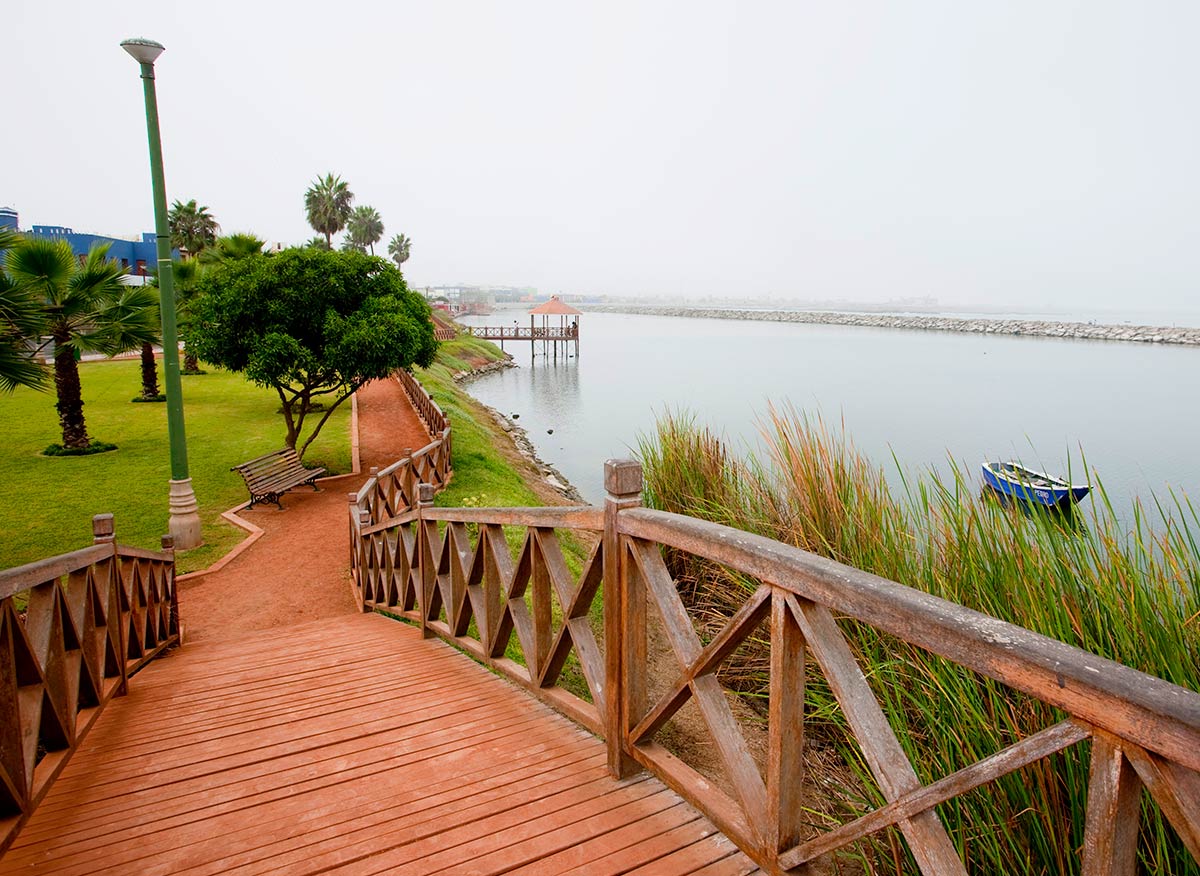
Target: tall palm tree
{"type": "Point", "coordinates": [327, 204]}
{"type": "Point", "coordinates": [87, 309]}
{"type": "Point", "coordinates": [22, 319]}
{"type": "Point", "coordinates": [193, 228]}
{"type": "Point", "coordinates": [365, 227]}
{"type": "Point", "coordinates": [398, 249]}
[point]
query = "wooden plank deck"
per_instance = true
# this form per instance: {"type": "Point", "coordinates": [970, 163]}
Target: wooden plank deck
{"type": "Point", "coordinates": [350, 746]}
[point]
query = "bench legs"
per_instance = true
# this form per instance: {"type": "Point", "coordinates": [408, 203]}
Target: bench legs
{"type": "Point", "coordinates": [263, 499]}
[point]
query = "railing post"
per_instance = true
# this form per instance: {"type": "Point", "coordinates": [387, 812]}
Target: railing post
{"type": "Point", "coordinates": [425, 556]}
{"type": "Point", "coordinates": [102, 529]}
{"type": "Point", "coordinates": [103, 532]}
{"type": "Point", "coordinates": [624, 619]}
{"type": "Point", "coordinates": [168, 545]}
{"type": "Point", "coordinates": [356, 565]}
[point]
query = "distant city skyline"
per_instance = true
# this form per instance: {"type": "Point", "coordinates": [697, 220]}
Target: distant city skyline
{"type": "Point", "coordinates": [1014, 154]}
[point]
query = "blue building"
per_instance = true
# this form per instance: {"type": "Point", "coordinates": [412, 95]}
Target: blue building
{"type": "Point", "coordinates": [139, 256]}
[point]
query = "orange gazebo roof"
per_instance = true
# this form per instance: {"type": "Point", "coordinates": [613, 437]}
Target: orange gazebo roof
{"type": "Point", "coordinates": [555, 307]}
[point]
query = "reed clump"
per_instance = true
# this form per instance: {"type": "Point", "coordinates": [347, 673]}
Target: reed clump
{"type": "Point", "coordinates": [1125, 587]}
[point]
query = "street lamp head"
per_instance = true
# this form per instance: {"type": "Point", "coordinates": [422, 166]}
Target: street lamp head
{"type": "Point", "coordinates": [143, 51]}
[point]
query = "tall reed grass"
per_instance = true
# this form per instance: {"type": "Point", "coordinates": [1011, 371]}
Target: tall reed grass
{"type": "Point", "coordinates": [1125, 588]}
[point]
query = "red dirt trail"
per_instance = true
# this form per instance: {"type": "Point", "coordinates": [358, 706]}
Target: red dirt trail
{"type": "Point", "coordinates": [298, 570]}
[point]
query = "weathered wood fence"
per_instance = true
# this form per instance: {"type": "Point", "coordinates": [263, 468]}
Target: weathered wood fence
{"type": "Point", "coordinates": [73, 629]}
{"type": "Point", "coordinates": [451, 571]}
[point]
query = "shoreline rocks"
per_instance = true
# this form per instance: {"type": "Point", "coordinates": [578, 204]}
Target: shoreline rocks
{"type": "Point", "coordinates": [1181, 335]}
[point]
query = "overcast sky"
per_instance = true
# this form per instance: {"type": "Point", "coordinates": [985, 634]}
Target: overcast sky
{"type": "Point", "coordinates": [982, 153]}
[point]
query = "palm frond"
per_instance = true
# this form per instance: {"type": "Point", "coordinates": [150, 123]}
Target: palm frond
{"type": "Point", "coordinates": [124, 321]}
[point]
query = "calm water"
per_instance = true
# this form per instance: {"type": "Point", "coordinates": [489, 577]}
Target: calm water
{"type": "Point", "coordinates": [923, 396]}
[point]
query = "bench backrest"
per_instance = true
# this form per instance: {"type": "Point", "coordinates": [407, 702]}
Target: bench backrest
{"type": "Point", "coordinates": [270, 466]}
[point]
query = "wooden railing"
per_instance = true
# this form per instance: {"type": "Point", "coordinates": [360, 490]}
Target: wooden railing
{"type": "Point", "coordinates": [73, 629]}
{"type": "Point", "coordinates": [451, 572]}
{"type": "Point", "coordinates": [519, 333]}
{"type": "Point", "coordinates": [427, 409]}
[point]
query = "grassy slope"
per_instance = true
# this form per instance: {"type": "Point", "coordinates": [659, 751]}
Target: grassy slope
{"type": "Point", "coordinates": [47, 503]}
{"type": "Point", "coordinates": [481, 474]}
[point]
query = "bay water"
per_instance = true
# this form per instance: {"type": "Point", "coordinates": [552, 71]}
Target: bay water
{"type": "Point", "coordinates": [910, 400]}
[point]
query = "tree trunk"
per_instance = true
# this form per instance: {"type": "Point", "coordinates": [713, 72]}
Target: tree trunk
{"type": "Point", "coordinates": [70, 397]}
{"type": "Point", "coordinates": [149, 373]}
{"type": "Point", "coordinates": [328, 240]}
{"type": "Point", "coordinates": [191, 365]}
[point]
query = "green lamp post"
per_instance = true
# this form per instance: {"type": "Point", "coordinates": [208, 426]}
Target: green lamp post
{"type": "Point", "coordinates": [184, 523]}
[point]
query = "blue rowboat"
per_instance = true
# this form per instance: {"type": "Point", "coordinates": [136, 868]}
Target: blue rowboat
{"type": "Point", "coordinates": [1018, 482]}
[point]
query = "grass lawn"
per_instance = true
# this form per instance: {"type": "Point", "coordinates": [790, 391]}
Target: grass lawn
{"type": "Point", "coordinates": [481, 475]}
{"type": "Point", "coordinates": [46, 503]}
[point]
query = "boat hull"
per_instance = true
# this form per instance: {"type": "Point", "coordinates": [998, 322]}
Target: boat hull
{"type": "Point", "coordinates": [1049, 496]}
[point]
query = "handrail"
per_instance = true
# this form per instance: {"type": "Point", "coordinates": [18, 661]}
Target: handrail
{"type": "Point", "coordinates": [18, 578]}
{"type": "Point", "coordinates": [93, 617]}
{"type": "Point", "coordinates": [1156, 714]}
{"type": "Point", "coordinates": [451, 570]}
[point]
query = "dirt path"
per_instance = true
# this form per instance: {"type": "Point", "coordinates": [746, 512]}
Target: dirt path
{"type": "Point", "coordinates": [298, 571]}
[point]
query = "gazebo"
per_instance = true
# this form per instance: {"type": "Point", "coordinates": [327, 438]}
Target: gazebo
{"type": "Point", "coordinates": [563, 332]}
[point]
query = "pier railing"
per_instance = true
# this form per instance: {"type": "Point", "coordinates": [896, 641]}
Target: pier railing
{"type": "Point", "coordinates": [521, 333]}
{"type": "Point", "coordinates": [73, 629]}
{"type": "Point", "coordinates": [453, 572]}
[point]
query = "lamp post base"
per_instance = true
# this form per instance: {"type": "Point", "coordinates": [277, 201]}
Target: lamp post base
{"type": "Point", "coordinates": [184, 522]}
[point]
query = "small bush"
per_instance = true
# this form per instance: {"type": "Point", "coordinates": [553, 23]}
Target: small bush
{"type": "Point", "coordinates": [93, 448]}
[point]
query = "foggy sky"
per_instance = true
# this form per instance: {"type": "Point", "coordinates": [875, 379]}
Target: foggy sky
{"type": "Point", "coordinates": [983, 153]}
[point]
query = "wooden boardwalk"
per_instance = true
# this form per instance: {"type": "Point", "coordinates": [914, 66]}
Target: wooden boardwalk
{"type": "Point", "coordinates": [350, 746]}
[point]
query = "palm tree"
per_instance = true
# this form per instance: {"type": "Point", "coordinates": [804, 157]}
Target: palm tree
{"type": "Point", "coordinates": [317, 242]}
{"type": "Point", "coordinates": [192, 227]}
{"type": "Point", "coordinates": [398, 249]}
{"type": "Point", "coordinates": [187, 275]}
{"type": "Point", "coordinates": [22, 319]}
{"type": "Point", "coordinates": [232, 247]}
{"type": "Point", "coordinates": [87, 308]}
{"type": "Point", "coordinates": [327, 204]}
{"type": "Point", "coordinates": [365, 227]}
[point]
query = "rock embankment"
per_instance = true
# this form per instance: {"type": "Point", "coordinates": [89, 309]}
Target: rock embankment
{"type": "Point", "coordinates": [1034, 328]}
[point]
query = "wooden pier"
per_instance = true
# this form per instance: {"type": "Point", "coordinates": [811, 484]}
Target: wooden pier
{"type": "Point", "coordinates": [553, 338]}
{"type": "Point", "coordinates": [350, 746]}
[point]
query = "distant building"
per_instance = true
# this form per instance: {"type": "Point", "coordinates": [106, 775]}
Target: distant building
{"type": "Point", "coordinates": [138, 256]}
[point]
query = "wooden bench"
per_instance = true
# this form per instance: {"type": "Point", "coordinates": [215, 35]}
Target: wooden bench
{"type": "Point", "coordinates": [269, 477]}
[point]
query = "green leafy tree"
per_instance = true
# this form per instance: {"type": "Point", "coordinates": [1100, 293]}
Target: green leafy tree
{"type": "Point", "coordinates": [193, 228]}
{"type": "Point", "coordinates": [327, 204]}
{"type": "Point", "coordinates": [365, 227]}
{"type": "Point", "coordinates": [312, 324]}
{"type": "Point", "coordinates": [87, 309]}
{"type": "Point", "coordinates": [398, 249]}
{"type": "Point", "coordinates": [22, 318]}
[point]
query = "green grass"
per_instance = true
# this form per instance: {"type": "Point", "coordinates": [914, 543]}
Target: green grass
{"type": "Point", "coordinates": [1129, 592]}
{"type": "Point", "coordinates": [481, 474]}
{"type": "Point", "coordinates": [47, 503]}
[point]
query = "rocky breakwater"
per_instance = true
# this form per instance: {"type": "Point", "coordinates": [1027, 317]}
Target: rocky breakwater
{"type": "Point", "coordinates": [1035, 328]}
